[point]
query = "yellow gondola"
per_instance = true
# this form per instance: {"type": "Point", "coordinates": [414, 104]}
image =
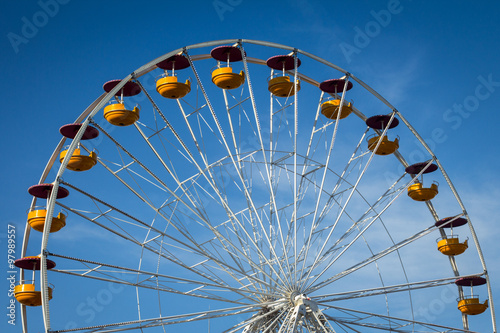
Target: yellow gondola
{"type": "Point", "coordinates": [117, 114]}
{"type": "Point", "coordinates": [281, 86]}
{"type": "Point", "coordinates": [471, 306]}
{"type": "Point", "coordinates": [36, 220]}
{"type": "Point", "coordinates": [169, 87]}
{"type": "Point", "coordinates": [419, 193]}
{"type": "Point", "coordinates": [451, 246]}
{"type": "Point", "coordinates": [78, 161]}
{"type": "Point", "coordinates": [25, 294]}
{"type": "Point", "coordinates": [330, 109]}
{"type": "Point", "coordinates": [386, 146]}
{"type": "Point", "coordinates": [224, 78]}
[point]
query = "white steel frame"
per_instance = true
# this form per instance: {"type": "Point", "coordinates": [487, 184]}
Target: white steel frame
{"type": "Point", "coordinates": [259, 246]}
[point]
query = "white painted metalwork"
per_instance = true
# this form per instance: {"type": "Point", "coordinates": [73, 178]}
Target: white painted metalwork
{"type": "Point", "coordinates": [211, 210]}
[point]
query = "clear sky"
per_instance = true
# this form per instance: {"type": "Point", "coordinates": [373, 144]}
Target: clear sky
{"type": "Point", "coordinates": [437, 63]}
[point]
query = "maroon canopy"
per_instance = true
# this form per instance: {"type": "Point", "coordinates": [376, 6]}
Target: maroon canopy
{"type": "Point", "coordinates": [33, 263]}
{"type": "Point", "coordinates": [221, 53]}
{"type": "Point", "coordinates": [455, 223]}
{"type": "Point", "coordinates": [470, 281]}
{"type": "Point", "coordinates": [43, 191]}
{"type": "Point", "coordinates": [334, 86]}
{"type": "Point", "coordinates": [70, 131]}
{"type": "Point", "coordinates": [380, 122]}
{"type": "Point", "coordinates": [177, 61]}
{"type": "Point", "coordinates": [129, 89]}
{"type": "Point", "coordinates": [277, 62]}
{"type": "Point", "coordinates": [417, 167]}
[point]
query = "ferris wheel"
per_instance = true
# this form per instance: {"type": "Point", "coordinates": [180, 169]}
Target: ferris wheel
{"type": "Point", "coordinates": [247, 186]}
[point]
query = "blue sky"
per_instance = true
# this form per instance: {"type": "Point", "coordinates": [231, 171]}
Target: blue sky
{"type": "Point", "coordinates": [438, 64]}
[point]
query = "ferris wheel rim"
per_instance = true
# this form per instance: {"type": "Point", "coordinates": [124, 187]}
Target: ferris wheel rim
{"type": "Point", "coordinates": [99, 103]}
